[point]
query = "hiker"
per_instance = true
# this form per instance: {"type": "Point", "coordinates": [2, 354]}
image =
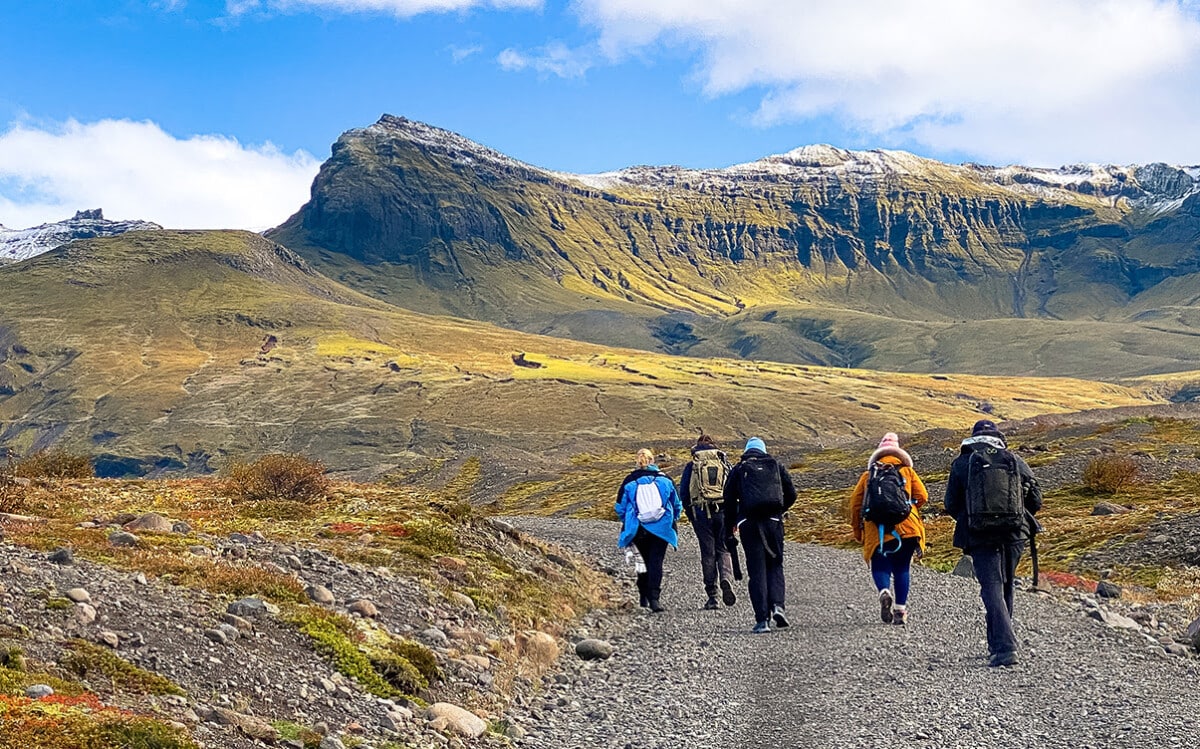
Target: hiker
{"type": "Point", "coordinates": [993, 496]}
{"type": "Point", "coordinates": [757, 493]}
{"type": "Point", "coordinates": [885, 518]}
{"type": "Point", "coordinates": [649, 508]}
{"type": "Point", "coordinates": [702, 489]}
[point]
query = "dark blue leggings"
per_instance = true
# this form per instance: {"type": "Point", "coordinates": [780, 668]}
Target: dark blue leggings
{"type": "Point", "coordinates": [894, 566]}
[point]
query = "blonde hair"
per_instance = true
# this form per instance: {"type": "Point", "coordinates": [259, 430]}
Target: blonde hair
{"type": "Point", "coordinates": [645, 458]}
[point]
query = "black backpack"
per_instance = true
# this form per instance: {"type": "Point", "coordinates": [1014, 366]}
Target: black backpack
{"type": "Point", "coordinates": [762, 488]}
{"type": "Point", "coordinates": [886, 502]}
{"type": "Point", "coordinates": [995, 494]}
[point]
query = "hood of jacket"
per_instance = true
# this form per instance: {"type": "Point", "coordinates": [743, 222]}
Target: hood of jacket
{"type": "Point", "coordinates": [970, 443]}
{"type": "Point", "coordinates": [754, 454]}
{"type": "Point", "coordinates": [890, 455]}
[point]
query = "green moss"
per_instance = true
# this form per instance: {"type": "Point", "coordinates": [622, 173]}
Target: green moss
{"type": "Point", "coordinates": [334, 637]}
{"type": "Point", "coordinates": [14, 681]}
{"type": "Point", "coordinates": [433, 536]}
{"type": "Point", "coordinates": [58, 604]}
{"type": "Point", "coordinates": [420, 657]}
{"type": "Point", "coordinates": [87, 660]}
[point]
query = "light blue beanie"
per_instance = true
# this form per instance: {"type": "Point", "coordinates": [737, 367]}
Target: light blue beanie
{"type": "Point", "coordinates": [754, 443]}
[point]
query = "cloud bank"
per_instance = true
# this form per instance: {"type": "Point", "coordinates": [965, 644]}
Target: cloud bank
{"type": "Point", "coordinates": [135, 170]}
{"type": "Point", "coordinates": [398, 8]}
{"type": "Point", "coordinates": [1045, 82]}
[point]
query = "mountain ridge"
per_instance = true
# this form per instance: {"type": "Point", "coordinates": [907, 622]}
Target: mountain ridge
{"type": "Point", "coordinates": [22, 244]}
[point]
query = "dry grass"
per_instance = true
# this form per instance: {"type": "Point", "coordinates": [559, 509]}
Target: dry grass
{"type": "Point", "coordinates": [278, 478]}
{"type": "Point", "coordinates": [54, 465]}
{"type": "Point", "coordinates": [1110, 474]}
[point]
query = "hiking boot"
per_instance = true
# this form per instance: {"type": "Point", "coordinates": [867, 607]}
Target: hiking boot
{"type": "Point", "coordinates": [711, 604]}
{"type": "Point", "coordinates": [779, 617]}
{"type": "Point", "coordinates": [899, 615]}
{"type": "Point", "coordinates": [1002, 659]}
{"type": "Point", "coordinates": [885, 606]}
{"type": "Point", "coordinates": [641, 586]}
{"type": "Point", "coordinates": [727, 593]}
{"type": "Point", "coordinates": [760, 628]}
{"type": "Point", "coordinates": [657, 607]}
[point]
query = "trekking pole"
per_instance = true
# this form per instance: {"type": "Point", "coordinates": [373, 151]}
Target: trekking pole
{"type": "Point", "coordinates": [731, 544]}
{"type": "Point", "coordinates": [1034, 528]}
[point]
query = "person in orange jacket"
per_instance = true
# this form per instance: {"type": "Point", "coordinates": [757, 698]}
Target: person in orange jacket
{"type": "Point", "coordinates": [889, 550]}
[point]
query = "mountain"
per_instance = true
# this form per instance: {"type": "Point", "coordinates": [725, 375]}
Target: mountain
{"type": "Point", "coordinates": [877, 259]}
{"type": "Point", "coordinates": [21, 244]}
{"type": "Point", "coordinates": [171, 351]}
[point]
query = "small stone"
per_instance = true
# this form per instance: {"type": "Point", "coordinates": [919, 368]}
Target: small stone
{"type": "Point", "coordinates": [364, 608]}
{"type": "Point", "coordinates": [181, 528]}
{"type": "Point", "coordinates": [327, 685]}
{"type": "Point", "coordinates": [78, 595]}
{"type": "Point", "coordinates": [199, 551]}
{"type": "Point", "coordinates": [109, 638]}
{"type": "Point", "coordinates": [151, 522]}
{"type": "Point", "coordinates": [242, 625]}
{"type": "Point", "coordinates": [140, 579]}
{"type": "Point", "coordinates": [331, 742]}
{"type": "Point", "coordinates": [434, 636]}
{"type": "Point", "coordinates": [231, 632]}
{"type": "Point", "coordinates": [1109, 508]}
{"type": "Point", "coordinates": [62, 556]}
{"type": "Point", "coordinates": [255, 728]}
{"type": "Point", "coordinates": [462, 600]}
{"type": "Point", "coordinates": [85, 614]}
{"type": "Point", "coordinates": [248, 608]}
{"type": "Point", "coordinates": [217, 636]}
{"type": "Point", "coordinates": [462, 722]}
{"type": "Point", "coordinates": [1105, 589]}
{"type": "Point", "coordinates": [965, 567]}
{"type": "Point", "coordinates": [593, 649]}
{"type": "Point", "coordinates": [319, 594]}
{"type": "Point", "coordinates": [122, 538]}
{"type": "Point", "coordinates": [38, 691]}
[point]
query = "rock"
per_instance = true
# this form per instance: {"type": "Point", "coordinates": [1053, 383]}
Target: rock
{"type": "Point", "coordinates": [452, 564]}
{"type": "Point", "coordinates": [255, 728]}
{"type": "Point", "coordinates": [463, 722]}
{"type": "Point", "coordinates": [331, 742]}
{"type": "Point", "coordinates": [109, 638]}
{"type": "Point", "coordinates": [217, 636]}
{"type": "Point", "coordinates": [231, 632]}
{"type": "Point", "coordinates": [181, 528]}
{"type": "Point", "coordinates": [1109, 508]}
{"type": "Point", "coordinates": [433, 636]}
{"type": "Point", "coordinates": [38, 691]}
{"type": "Point", "coordinates": [122, 538]}
{"type": "Point", "coordinates": [248, 608]}
{"type": "Point", "coordinates": [242, 625]}
{"type": "Point", "coordinates": [1105, 589]}
{"type": "Point", "coordinates": [78, 595]}
{"type": "Point", "coordinates": [1174, 648]}
{"type": "Point", "coordinates": [461, 600]}
{"type": "Point", "coordinates": [85, 614]}
{"type": "Point", "coordinates": [199, 550]}
{"type": "Point", "coordinates": [140, 579]}
{"type": "Point", "coordinates": [319, 594]}
{"type": "Point", "coordinates": [392, 721]}
{"type": "Point", "coordinates": [594, 650]}
{"type": "Point", "coordinates": [62, 556]}
{"type": "Point", "coordinates": [363, 608]}
{"type": "Point", "coordinates": [538, 646]}
{"type": "Point", "coordinates": [1114, 620]}
{"type": "Point", "coordinates": [514, 731]}
{"type": "Point", "coordinates": [151, 522]}
{"type": "Point", "coordinates": [965, 567]}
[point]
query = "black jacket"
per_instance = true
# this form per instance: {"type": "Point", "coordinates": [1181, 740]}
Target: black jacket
{"type": "Point", "coordinates": [685, 481]}
{"type": "Point", "coordinates": [743, 501]}
{"type": "Point", "coordinates": [955, 502]}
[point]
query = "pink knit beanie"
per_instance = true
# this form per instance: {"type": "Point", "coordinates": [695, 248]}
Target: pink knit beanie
{"type": "Point", "coordinates": [890, 440]}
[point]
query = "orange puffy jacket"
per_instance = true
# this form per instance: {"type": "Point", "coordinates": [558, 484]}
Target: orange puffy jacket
{"type": "Point", "coordinates": [867, 533]}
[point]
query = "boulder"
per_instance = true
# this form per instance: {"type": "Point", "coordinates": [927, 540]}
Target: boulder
{"type": "Point", "coordinates": [122, 538]}
{"type": "Point", "coordinates": [62, 556]}
{"type": "Point", "coordinates": [78, 595]}
{"type": "Point", "coordinates": [38, 691]}
{"type": "Point", "coordinates": [151, 522]}
{"type": "Point", "coordinates": [965, 567]}
{"type": "Point", "coordinates": [319, 594]}
{"type": "Point", "coordinates": [364, 608]}
{"type": "Point", "coordinates": [460, 721]}
{"type": "Point", "coordinates": [592, 649]}
{"type": "Point", "coordinates": [1105, 589]}
{"type": "Point", "coordinates": [248, 608]}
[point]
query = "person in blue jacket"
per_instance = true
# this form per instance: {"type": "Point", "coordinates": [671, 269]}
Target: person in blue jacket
{"type": "Point", "coordinates": [649, 508]}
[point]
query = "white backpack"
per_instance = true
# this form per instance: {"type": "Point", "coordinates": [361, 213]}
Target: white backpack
{"type": "Point", "coordinates": [650, 505]}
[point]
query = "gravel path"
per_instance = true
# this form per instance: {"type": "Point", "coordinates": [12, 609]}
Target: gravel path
{"type": "Point", "coordinates": [841, 678]}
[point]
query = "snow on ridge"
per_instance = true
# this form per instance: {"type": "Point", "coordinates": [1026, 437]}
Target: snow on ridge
{"type": "Point", "coordinates": [22, 244]}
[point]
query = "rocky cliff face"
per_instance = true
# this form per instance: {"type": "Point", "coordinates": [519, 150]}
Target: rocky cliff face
{"type": "Point", "coordinates": [429, 218]}
{"type": "Point", "coordinates": [26, 243]}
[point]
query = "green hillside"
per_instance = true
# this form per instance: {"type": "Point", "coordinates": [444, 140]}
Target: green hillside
{"type": "Point", "coordinates": [881, 260]}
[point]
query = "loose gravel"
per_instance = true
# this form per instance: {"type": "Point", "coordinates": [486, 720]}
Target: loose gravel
{"type": "Point", "coordinates": [838, 677]}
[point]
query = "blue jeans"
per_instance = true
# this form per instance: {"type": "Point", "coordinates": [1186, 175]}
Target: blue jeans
{"type": "Point", "coordinates": [996, 570]}
{"type": "Point", "coordinates": [895, 566]}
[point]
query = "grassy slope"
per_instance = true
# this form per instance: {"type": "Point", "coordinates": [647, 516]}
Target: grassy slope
{"type": "Point", "coordinates": [151, 346]}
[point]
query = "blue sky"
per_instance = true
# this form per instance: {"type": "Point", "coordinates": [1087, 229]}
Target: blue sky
{"type": "Point", "coordinates": [165, 92]}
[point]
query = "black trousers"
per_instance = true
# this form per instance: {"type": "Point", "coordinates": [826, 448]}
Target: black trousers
{"type": "Point", "coordinates": [715, 560]}
{"type": "Point", "coordinates": [653, 550]}
{"type": "Point", "coordinates": [996, 570]}
{"type": "Point", "coordinates": [762, 541]}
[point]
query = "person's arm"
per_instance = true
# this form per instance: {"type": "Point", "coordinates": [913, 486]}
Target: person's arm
{"type": "Point", "coordinates": [622, 500]}
{"type": "Point", "coordinates": [856, 503]}
{"type": "Point", "coordinates": [732, 496]}
{"type": "Point", "coordinates": [1033, 490]}
{"type": "Point", "coordinates": [685, 492]}
{"type": "Point", "coordinates": [676, 504]}
{"type": "Point", "coordinates": [918, 493]}
{"type": "Point", "coordinates": [955, 489]}
{"type": "Point", "coordinates": [789, 490]}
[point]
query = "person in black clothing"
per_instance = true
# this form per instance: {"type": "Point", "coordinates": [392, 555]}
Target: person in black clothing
{"type": "Point", "coordinates": [701, 489]}
{"type": "Point", "coordinates": [757, 493]}
{"type": "Point", "coordinates": [994, 555]}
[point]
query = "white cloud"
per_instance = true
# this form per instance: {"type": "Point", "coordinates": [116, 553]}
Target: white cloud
{"type": "Point", "coordinates": [398, 8]}
{"type": "Point", "coordinates": [135, 170]}
{"type": "Point", "coordinates": [1005, 79]}
{"type": "Point", "coordinates": [555, 58]}
{"type": "Point", "coordinates": [459, 53]}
